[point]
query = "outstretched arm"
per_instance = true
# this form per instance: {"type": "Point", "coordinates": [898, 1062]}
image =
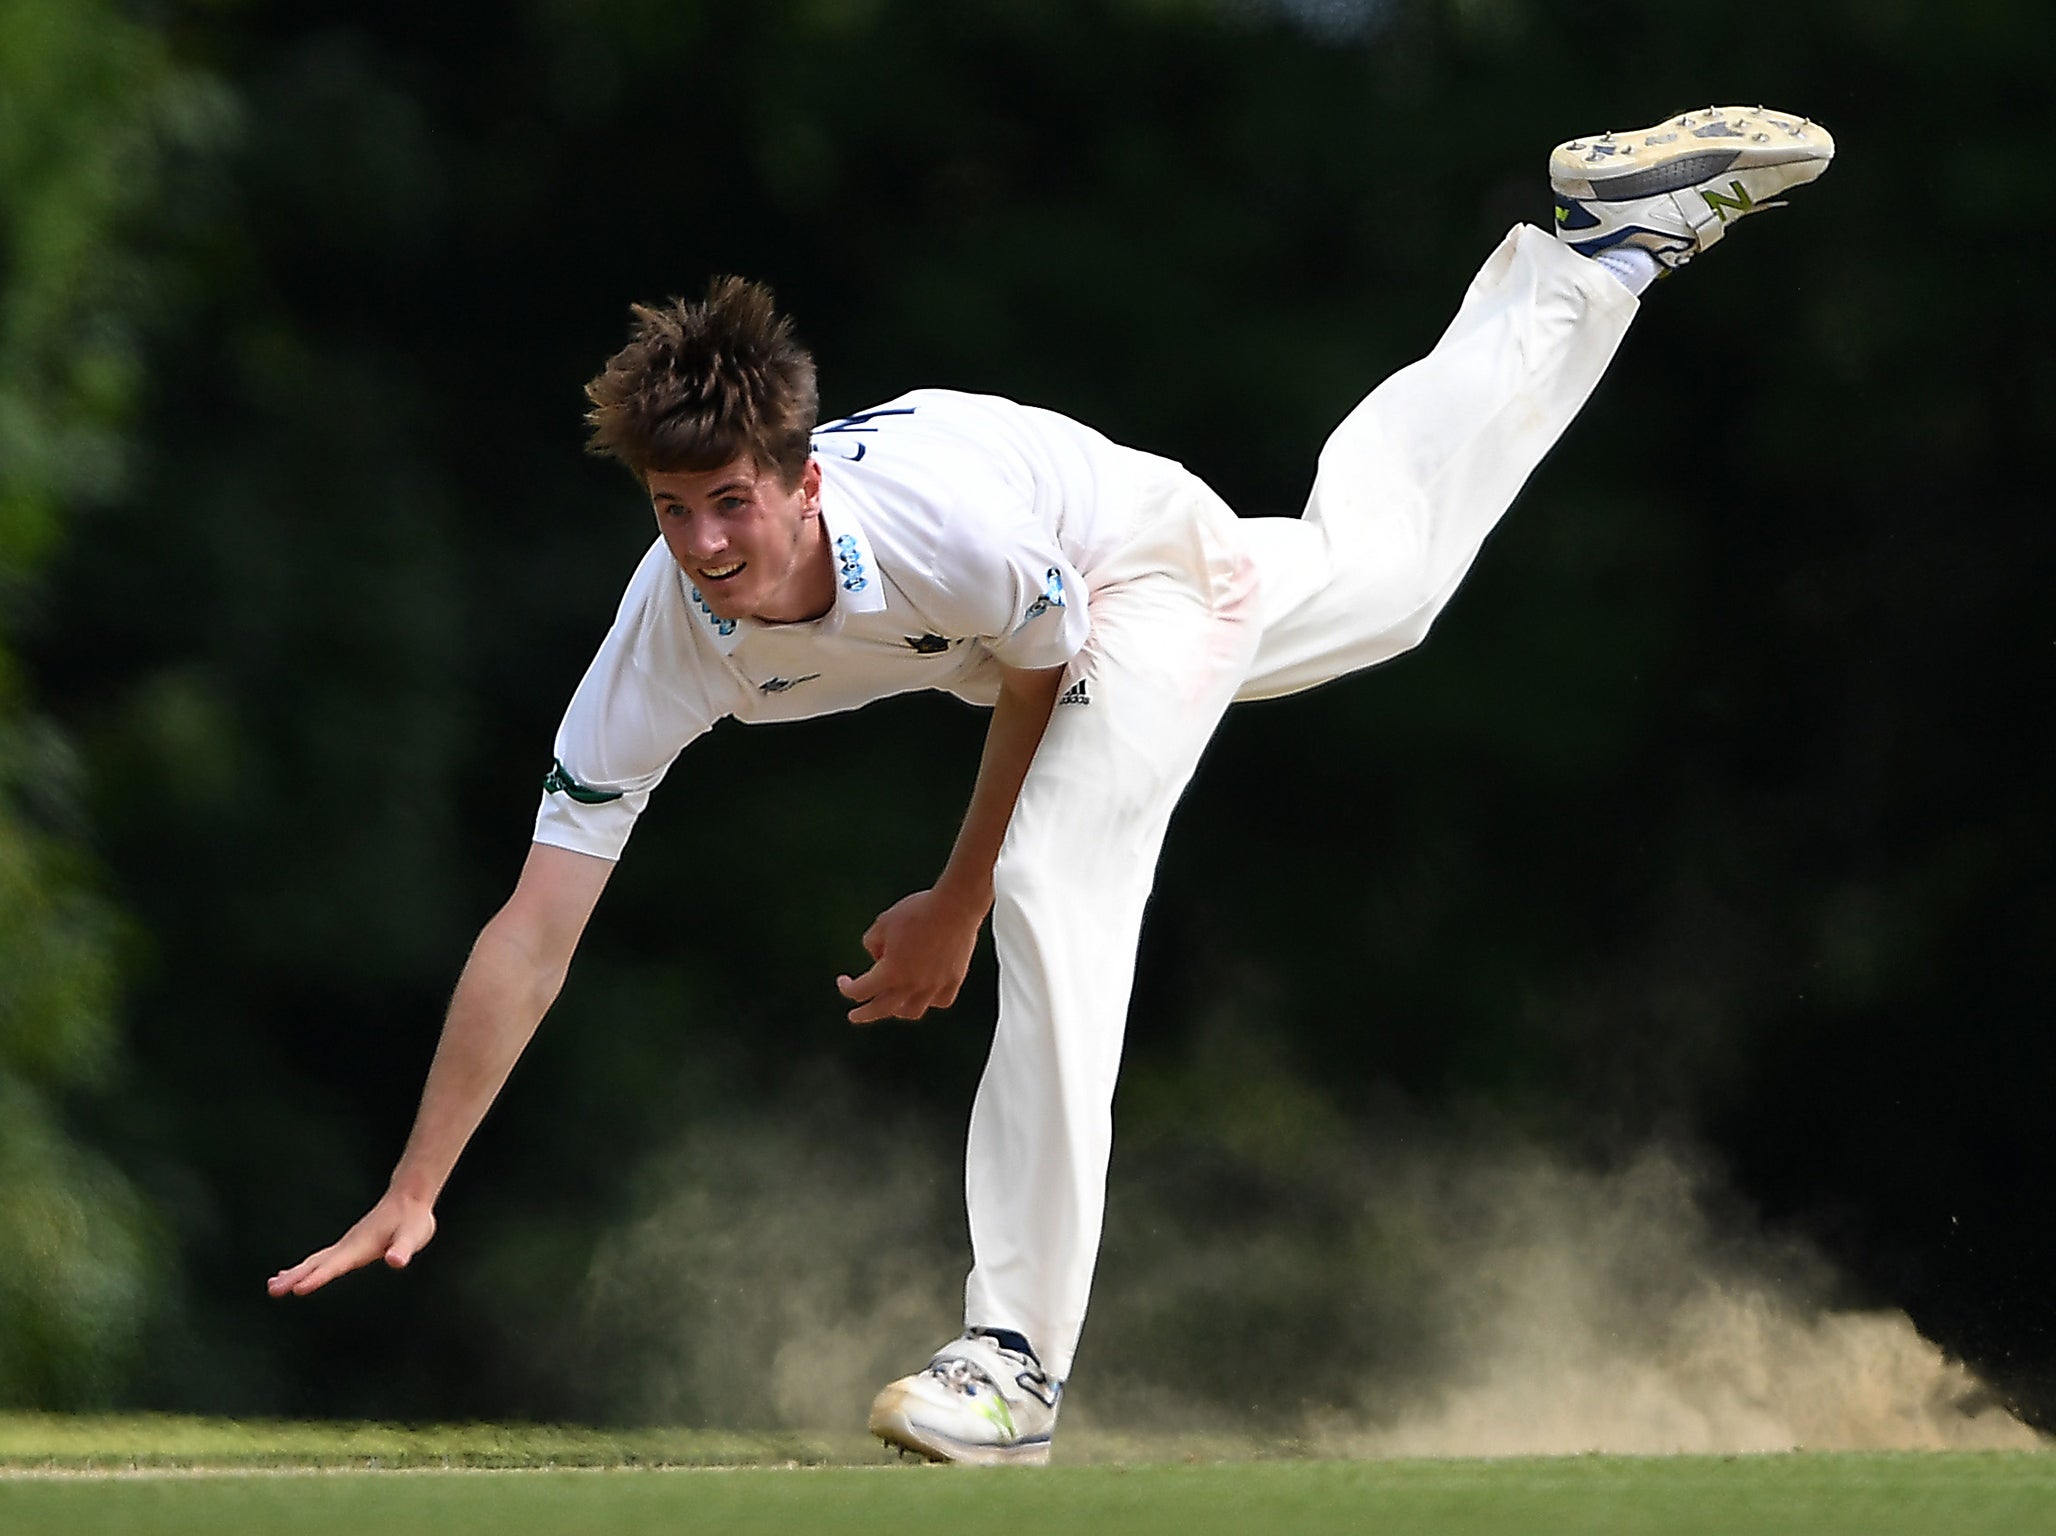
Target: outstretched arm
{"type": "Point", "coordinates": [922, 944]}
{"type": "Point", "coordinates": [508, 984]}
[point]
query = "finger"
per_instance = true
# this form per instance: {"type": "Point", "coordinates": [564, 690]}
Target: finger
{"type": "Point", "coordinates": [335, 1263]}
{"type": "Point", "coordinates": [874, 940]}
{"type": "Point", "coordinates": [864, 992]}
{"type": "Point", "coordinates": [871, 1012]}
{"type": "Point", "coordinates": [876, 998]}
{"type": "Point", "coordinates": [356, 1249]}
{"type": "Point", "coordinates": [288, 1279]}
{"type": "Point", "coordinates": [285, 1279]}
{"type": "Point", "coordinates": [317, 1277]}
{"type": "Point", "coordinates": [900, 1004]}
{"type": "Point", "coordinates": [861, 989]}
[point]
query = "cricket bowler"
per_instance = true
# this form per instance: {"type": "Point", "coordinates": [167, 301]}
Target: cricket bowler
{"type": "Point", "coordinates": [1107, 607]}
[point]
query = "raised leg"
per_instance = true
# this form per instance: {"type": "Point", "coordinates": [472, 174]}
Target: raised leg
{"type": "Point", "coordinates": [1416, 476]}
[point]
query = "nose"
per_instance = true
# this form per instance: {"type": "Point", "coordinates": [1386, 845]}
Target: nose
{"type": "Point", "coordinates": [695, 536]}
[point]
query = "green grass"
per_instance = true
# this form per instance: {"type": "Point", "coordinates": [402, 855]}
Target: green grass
{"type": "Point", "coordinates": [67, 1477]}
{"type": "Point", "coordinates": [160, 1442]}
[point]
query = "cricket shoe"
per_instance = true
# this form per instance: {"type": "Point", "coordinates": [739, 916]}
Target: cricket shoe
{"type": "Point", "coordinates": [1674, 189]}
{"type": "Point", "coordinates": [978, 1401]}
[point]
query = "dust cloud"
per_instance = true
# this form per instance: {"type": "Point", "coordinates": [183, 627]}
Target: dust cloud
{"type": "Point", "coordinates": [1607, 1311]}
{"type": "Point", "coordinates": [779, 1274]}
{"type": "Point", "coordinates": [1408, 1300]}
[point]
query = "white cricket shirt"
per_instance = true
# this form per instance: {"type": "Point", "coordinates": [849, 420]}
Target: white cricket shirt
{"type": "Point", "coordinates": [965, 530]}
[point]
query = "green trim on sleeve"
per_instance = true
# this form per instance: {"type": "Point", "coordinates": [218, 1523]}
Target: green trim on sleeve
{"type": "Point", "coordinates": [558, 781]}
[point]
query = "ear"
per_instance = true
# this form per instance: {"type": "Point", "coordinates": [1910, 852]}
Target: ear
{"type": "Point", "coordinates": [810, 486]}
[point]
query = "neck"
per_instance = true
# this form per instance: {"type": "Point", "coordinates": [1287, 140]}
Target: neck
{"type": "Point", "coordinates": [811, 591]}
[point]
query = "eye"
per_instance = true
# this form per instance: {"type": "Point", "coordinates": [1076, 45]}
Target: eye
{"type": "Point", "coordinates": [731, 503]}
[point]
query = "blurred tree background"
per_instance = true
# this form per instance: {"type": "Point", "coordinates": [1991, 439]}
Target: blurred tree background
{"type": "Point", "coordinates": [1712, 811]}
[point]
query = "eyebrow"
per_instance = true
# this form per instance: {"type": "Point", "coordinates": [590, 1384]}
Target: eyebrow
{"type": "Point", "coordinates": [715, 490]}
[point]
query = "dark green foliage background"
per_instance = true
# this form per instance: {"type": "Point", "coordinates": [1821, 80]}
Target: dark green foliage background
{"type": "Point", "coordinates": [1714, 808]}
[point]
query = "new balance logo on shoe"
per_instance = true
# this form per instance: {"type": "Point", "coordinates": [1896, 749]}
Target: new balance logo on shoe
{"type": "Point", "coordinates": [1741, 202]}
{"type": "Point", "coordinates": [1075, 694]}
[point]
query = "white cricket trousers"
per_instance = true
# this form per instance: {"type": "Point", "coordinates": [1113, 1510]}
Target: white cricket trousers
{"type": "Point", "coordinates": [1198, 610]}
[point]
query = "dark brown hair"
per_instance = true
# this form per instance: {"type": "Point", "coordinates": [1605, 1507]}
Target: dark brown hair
{"type": "Point", "coordinates": [700, 385]}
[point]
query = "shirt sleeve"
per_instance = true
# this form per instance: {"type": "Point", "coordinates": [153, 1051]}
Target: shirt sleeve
{"type": "Point", "coordinates": [645, 697]}
{"type": "Point", "coordinates": [1022, 596]}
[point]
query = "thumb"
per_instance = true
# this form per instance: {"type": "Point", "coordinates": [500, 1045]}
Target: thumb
{"type": "Point", "coordinates": [409, 1239]}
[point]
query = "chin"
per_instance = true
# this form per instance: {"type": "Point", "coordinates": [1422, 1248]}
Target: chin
{"type": "Point", "coordinates": [724, 604]}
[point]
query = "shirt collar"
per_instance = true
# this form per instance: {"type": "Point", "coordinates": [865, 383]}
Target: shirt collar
{"type": "Point", "coordinates": [859, 586]}
{"type": "Point", "coordinates": [726, 634]}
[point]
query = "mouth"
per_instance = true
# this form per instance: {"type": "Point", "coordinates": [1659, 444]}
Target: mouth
{"type": "Point", "coordinates": [721, 572]}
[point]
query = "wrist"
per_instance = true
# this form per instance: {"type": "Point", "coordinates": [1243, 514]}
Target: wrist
{"type": "Point", "coordinates": [412, 1187]}
{"type": "Point", "coordinates": [968, 894]}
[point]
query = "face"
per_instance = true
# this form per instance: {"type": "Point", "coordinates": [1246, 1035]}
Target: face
{"type": "Point", "coordinates": [754, 546]}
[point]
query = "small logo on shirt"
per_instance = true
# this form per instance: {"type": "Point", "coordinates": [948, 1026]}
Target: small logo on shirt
{"type": "Point", "coordinates": [558, 781]}
{"type": "Point", "coordinates": [722, 627]}
{"type": "Point", "coordinates": [1052, 596]}
{"type": "Point", "coordinates": [781, 684]}
{"type": "Point", "coordinates": [851, 561]}
{"type": "Point", "coordinates": [927, 645]}
{"type": "Point", "coordinates": [1075, 694]}
{"type": "Point", "coordinates": [861, 422]}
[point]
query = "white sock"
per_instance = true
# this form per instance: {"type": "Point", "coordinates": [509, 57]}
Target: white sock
{"type": "Point", "coordinates": [1635, 267]}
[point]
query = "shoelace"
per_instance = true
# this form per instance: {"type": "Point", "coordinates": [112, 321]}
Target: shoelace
{"type": "Point", "coordinates": [959, 1374]}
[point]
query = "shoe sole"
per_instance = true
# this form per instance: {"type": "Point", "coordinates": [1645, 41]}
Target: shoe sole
{"type": "Point", "coordinates": [1691, 148]}
{"type": "Point", "coordinates": [891, 1422]}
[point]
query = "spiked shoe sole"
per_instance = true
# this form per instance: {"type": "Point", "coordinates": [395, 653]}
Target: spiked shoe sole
{"type": "Point", "coordinates": [1773, 150]}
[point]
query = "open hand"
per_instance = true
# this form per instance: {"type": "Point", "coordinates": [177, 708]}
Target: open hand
{"type": "Point", "coordinates": [922, 947]}
{"type": "Point", "coordinates": [395, 1229]}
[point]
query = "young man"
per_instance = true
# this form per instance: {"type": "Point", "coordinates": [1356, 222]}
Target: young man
{"type": "Point", "coordinates": [1108, 607]}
